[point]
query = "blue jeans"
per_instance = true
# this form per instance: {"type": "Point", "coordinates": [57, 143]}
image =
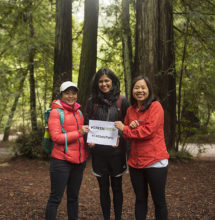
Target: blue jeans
{"type": "Point", "coordinates": [156, 179]}
{"type": "Point", "coordinates": [64, 174]}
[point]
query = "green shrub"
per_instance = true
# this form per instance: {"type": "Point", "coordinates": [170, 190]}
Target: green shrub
{"type": "Point", "coordinates": [181, 155]}
{"type": "Point", "coordinates": [30, 144]}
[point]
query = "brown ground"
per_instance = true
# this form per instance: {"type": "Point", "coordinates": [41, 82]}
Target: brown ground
{"type": "Point", "coordinates": [24, 190]}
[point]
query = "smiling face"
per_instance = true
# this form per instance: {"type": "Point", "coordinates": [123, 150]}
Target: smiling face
{"type": "Point", "coordinates": [140, 91]}
{"type": "Point", "coordinates": [69, 96]}
{"type": "Point", "coordinates": [105, 84]}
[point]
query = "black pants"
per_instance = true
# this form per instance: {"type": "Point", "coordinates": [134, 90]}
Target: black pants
{"type": "Point", "coordinates": [104, 185]}
{"type": "Point", "coordinates": [64, 174]}
{"type": "Point", "coordinates": [156, 179]}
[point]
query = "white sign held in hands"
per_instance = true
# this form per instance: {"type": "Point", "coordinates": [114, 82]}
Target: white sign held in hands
{"type": "Point", "coordinates": [102, 132]}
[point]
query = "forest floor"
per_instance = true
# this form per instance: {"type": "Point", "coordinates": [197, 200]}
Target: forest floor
{"type": "Point", "coordinates": [25, 185]}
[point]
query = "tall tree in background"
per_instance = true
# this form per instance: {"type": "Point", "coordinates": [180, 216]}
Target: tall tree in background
{"type": "Point", "coordinates": [13, 108]}
{"type": "Point", "coordinates": [127, 47]}
{"type": "Point", "coordinates": [166, 77]}
{"type": "Point", "coordinates": [31, 50]}
{"type": "Point", "coordinates": [89, 48]}
{"type": "Point", "coordinates": [154, 56]}
{"type": "Point", "coordinates": [146, 44]}
{"type": "Point", "coordinates": [63, 45]}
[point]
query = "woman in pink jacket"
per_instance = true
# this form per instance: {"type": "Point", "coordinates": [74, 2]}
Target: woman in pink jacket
{"type": "Point", "coordinates": [66, 165]}
{"type": "Point", "coordinates": [148, 158]}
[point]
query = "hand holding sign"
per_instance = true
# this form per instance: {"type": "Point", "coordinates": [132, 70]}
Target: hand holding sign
{"type": "Point", "coordinates": [119, 125]}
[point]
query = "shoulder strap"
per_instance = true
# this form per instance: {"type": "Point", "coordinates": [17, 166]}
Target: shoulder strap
{"type": "Point", "coordinates": [46, 115]}
{"type": "Point", "coordinates": [61, 114]}
{"type": "Point", "coordinates": [119, 103]}
{"type": "Point", "coordinates": [95, 106]}
{"type": "Point", "coordinates": [81, 115]}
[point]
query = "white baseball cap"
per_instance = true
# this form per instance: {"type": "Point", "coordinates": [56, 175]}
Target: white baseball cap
{"type": "Point", "coordinates": [66, 85]}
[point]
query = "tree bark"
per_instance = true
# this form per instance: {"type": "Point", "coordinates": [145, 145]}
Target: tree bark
{"type": "Point", "coordinates": [63, 45]}
{"type": "Point", "coordinates": [4, 106]}
{"type": "Point", "coordinates": [154, 56]}
{"type": "Point", "coordinates": [89, 49]}
{"type": "Point", "coordinates": [127, 47]}
{"type": "Point", "coordinates": [146, 61]}
{"type": "Point", "coordinates": [31, 70]}
{"type": "Point", "coordinates": [166, 76]}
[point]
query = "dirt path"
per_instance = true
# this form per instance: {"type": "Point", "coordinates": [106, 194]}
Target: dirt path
{"type": "Point", "coordinates": [5, 152]}
{"type": "Point", "coordinates": [202, 150]}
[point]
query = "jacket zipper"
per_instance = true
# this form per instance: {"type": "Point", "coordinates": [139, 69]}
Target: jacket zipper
{"type": "Point", "coordinates": [78, 139]}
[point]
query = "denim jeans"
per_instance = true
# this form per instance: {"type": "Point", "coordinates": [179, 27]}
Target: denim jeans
{"type": "Point", "coordinates": [104, 186]}
{"type": "Point", "coordinates": [156, 179]}
{"type": "Point", "coordinates": [64, 174]}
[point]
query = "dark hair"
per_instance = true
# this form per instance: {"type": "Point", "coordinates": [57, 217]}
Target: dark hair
{"type": "Point", "coordinates": [151, 96]}
{"type": "Point", "coordinates": [71, 88]}
{"type": "Point", "coordinates": [115, 90]}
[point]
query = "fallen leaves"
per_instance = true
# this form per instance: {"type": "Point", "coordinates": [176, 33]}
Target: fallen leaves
{"type": "Point", "coordinates": [25, 187]}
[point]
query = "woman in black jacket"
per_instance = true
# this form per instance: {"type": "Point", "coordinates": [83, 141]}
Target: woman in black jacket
{"type": "Point", "coordinates": [108, 162]}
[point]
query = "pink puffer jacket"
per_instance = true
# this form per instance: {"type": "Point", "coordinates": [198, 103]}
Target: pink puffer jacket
{"type": "Point", "coordinates": [73, 121]}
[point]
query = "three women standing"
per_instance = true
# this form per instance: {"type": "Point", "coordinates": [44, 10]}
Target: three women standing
{"type": "Point", "coordinates": [143, 126]}
{"type": "Point", "coordinates": [108, 162]}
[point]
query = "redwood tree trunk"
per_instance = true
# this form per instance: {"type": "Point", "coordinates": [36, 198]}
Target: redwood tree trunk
{"type": "Point", "coordinates": [166, 77]}
{"type": "Point", "coordinates": [127, 48]}
{"type": "Point", "coordinates": [63, 45]}
{"type": "Point", "coordinates": [146, 57]}
{"type": "Point", "coordinates": [31, 71]}
{"type": "Point", "coordinates": [154, 56]}
{"type": "Point", "coordinates": [89, 49]}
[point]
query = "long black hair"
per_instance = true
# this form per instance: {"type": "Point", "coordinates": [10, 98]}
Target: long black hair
{"type": "Point", "coordinates": [114, 93]}
{"type": "Point", "coordinates": [148, 101]}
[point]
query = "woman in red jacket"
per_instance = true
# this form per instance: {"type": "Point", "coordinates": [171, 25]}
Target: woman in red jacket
{"type": "Point", "coordinates": [148, 158]}
{"type": "Point", "coordinates": [66, 165]}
